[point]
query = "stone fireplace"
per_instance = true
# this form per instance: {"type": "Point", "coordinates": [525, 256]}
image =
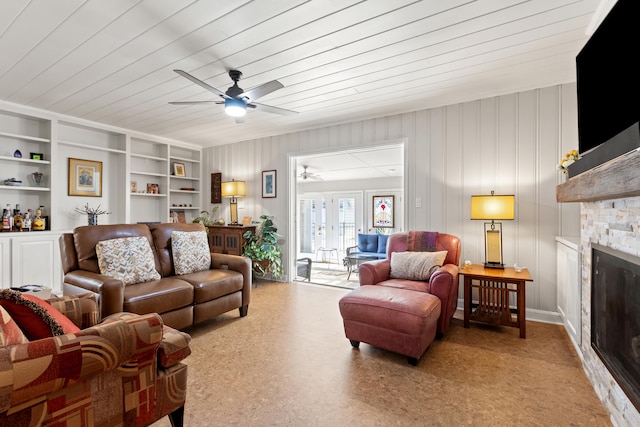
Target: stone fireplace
{"type": "Point", "coordinates": [614, 224]}
{"type": "Point", "coordinates": [610, 217]}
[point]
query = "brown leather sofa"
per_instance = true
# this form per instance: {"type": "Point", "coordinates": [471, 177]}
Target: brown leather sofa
{"type": "Point", "coordinates": [180, 300]}
{"type": "Point", "coordinates": [443, 283]}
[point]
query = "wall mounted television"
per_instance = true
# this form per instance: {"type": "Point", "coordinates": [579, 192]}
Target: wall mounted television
{"type": "Point", "coordinates": [608, 86]}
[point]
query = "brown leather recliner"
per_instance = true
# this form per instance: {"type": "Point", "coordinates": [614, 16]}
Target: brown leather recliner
{"type": "Point", "coordinates": [443, 282]}
{"type": "Point", "coordinates": [181, 300]}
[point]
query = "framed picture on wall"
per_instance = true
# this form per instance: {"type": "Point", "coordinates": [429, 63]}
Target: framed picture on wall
{"type": "Point", "coordinates": [383, 211]}
{"type": "Point", "coordinates": [268, 184]}
{"type": "Point", "coordinates": [85, 178]}
{"type": "Point", "coordinates": [216, 187]}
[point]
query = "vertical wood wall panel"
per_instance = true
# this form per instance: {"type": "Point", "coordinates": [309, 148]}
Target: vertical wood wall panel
{"type": "Point", "coordinates": [510, 144]}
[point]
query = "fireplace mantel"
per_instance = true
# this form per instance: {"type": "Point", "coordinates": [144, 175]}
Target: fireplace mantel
{"type": "Point", "coordinates": [616, 179]}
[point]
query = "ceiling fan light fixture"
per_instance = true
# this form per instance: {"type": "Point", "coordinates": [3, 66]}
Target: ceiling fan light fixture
{"type": "Point", "coordinates": [235, 107]}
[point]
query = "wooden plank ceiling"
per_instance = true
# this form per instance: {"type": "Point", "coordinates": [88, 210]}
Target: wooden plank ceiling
{"type": "Point", "coordinates": [339, 61]}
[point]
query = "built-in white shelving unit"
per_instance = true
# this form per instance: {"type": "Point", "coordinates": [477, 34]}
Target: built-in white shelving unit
{"type": "Point", "coordinates": [39, 141]}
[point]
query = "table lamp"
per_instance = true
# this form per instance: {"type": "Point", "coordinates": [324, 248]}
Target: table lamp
{"type": "Point", "coordinates": [234, 189]}
{"type": "Point", "coordinates": [493, 208]}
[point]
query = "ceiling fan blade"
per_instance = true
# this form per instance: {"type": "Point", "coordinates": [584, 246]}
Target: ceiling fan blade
{"type": "Point", "coordinates": [275, 110]}
{"type": "Point", "coordinates": [201, 83]}
{"type": "Point", "coordinates": [262, 90]}
{"type": "Point", "coordinates": [195, 102]}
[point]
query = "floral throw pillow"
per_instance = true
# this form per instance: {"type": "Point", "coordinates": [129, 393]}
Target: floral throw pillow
{"type": "Point", "coordinates": [190, 251]}
{"type": "Point", "coordinates": [415, 265]}
{"type": "Point", "coordinates": [129, 259]}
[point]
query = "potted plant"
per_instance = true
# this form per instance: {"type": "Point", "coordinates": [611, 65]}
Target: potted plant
{"type": "Point", "coordinates": [263, 249]}
{"type": "Point", "coordinates": [207, 218]}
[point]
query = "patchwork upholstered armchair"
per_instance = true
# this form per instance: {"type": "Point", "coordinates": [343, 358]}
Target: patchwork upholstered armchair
{"type": "Point", "coordinates": [124, 371]}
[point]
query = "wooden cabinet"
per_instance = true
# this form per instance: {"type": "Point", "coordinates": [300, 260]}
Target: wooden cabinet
{"type": "Point", "coordinates": [225, 239]}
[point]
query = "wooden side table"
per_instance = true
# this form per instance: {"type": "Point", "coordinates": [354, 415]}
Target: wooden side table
{"type": "Point", "coordinates": [494, 289]}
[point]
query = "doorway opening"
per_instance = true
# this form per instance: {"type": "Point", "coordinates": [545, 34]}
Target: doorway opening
{"type": "Point", "coordinates": [333, 198]}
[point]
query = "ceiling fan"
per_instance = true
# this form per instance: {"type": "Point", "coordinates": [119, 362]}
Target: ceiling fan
{"type": "Point", "coordinates": [308, 175]}
{"type": "Point", "coordinates": [236, 100]}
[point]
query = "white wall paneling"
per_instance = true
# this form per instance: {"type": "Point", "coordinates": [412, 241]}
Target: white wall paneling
{"type": "Point", "coordinates": [509, 144]}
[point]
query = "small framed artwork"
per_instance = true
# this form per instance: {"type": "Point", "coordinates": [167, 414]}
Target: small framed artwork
{"type": "Point", "coordinates": [85, 178]}
{"type": "Point", "coordinates": [216, 187]}
{"type": "Point", "coordinates": [178, 169]}
{"type": "Point", "coordinates": [37, 156]}
{"type": "Point", "coordinates": [383, 211]}
{"type": "Point", "coordinates": [268, 184]}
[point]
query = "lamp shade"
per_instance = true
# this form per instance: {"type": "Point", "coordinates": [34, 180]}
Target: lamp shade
{"type": "Point", "coordinates": [492, 207]}
{"type": "Point", "coordinates": [234, 189]}
{"type": "Point", "coordinates": [235, 107]}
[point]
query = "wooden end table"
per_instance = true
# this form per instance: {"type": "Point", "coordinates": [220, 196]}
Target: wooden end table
{"type": "Point", "coordinates": [494, 289]}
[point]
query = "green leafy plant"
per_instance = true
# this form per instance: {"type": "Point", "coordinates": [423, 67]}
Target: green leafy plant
{"type": "Point", "coordinates": [207, 218]}
{"type": "Point", "coordinates": [263, 249]}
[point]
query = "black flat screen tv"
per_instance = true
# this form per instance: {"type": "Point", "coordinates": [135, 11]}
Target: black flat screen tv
{"type": "Point", "coordinates": [608, 83]}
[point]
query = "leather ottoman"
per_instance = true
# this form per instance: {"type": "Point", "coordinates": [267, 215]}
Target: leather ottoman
{"type": "Point", "coordinates": [398, 320]}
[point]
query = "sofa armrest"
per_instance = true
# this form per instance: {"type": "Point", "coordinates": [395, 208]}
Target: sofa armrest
{"type": "Point", "coordinates": [81, 309]}
{"type": "Point", "coordinates": [236, 263]}
{"type": "Point", "coordinates": [373, 272]}
{"type": "Point", "coordinates": [75, 357]}
{"type": "Point", "coordinates": [109, 289]}
{"type": "Point", "coordinates": [443, 280]}
{"type": "Point", "coordinates": [444, 284]}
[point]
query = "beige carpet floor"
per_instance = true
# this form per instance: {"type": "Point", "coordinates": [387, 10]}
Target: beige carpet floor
{"type": "Point", "coordinates": [288, 364]}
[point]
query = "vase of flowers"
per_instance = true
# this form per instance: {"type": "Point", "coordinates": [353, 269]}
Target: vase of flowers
{"type": "Point", "coordinates": [568, 160]}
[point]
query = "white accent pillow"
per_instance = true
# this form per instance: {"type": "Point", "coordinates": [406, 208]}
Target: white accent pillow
{"type": "Point", "coordinates": [129, 259]}
{"type": "Point", "coordinates": [415, 265]}
{"type": "Point", "coordinates": [190, 251]}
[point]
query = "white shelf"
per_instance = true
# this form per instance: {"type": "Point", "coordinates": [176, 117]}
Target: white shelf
{"type": "Point", "coordinates": [162, 175]}
{"type": "Point", "coordinates": [184, 159]}
{"type": "Point", "coordinates": [20, 187]}
{"type": "Point", "coordinates": [186, 178]}
{"type": "Point", "coordinates": [148, 195]}
{"type": "Point", "coordinates": [144, 156]}
{"type": "Point", "coordinates": [23, 160]}
{"type": "Point", "coordinates": [24, 137]}
{"type": "Point", "coordinates": [182, 208]}
{"type": "Point", "coordinates": [185, 191]}
{"type": "Point", "coordinates": [91, 147]}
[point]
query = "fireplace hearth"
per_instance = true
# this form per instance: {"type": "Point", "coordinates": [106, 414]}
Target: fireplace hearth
{"type": "Point", "coordinates": [615, 316]}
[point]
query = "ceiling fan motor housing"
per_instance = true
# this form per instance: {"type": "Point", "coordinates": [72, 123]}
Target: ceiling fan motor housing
{"type": "Point", "coordinates": [235, 90]}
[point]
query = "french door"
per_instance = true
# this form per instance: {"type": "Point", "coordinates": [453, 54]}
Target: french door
{"type": "Point", "coordinates": [346, 220]}
{"type": "Point", "coordinates": [329, 221]}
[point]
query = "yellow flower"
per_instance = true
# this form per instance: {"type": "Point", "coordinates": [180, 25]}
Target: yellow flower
{"type": "Point", "coordinates": [568, 159]}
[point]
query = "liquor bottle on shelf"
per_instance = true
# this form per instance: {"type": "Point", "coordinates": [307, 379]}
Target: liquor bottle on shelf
{"type": "Point", "coordinates": [45, 217]}
{"type": "Point", "coordinates": [17, 218]}
{"type": "Point", "coordinates": [7, 219]}
{"type": "Point", "coordinates": [26, 221]}
{"type": "Point", "coordinates": [38, 222]}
